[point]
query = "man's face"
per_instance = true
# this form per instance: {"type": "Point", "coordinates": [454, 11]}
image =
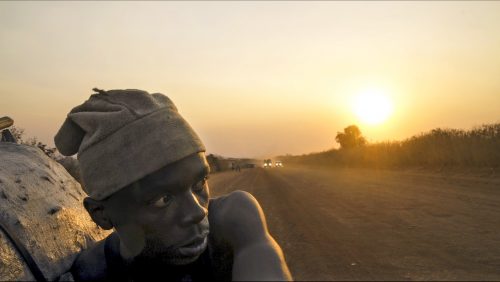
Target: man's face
{"type": "Point", "coordinates": [167, 210]}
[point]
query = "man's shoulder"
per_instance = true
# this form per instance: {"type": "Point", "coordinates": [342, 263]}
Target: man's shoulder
{"type": "Point", "coordinates": [236, 205]}
{"type": "Point", "coordinates": [231, 199]}
{"type": "Point", "coordinates": [238, 218]}
{"type": "Point", "coordinates": [91, 263]}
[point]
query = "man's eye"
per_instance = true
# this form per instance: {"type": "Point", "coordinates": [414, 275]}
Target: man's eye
{"type": "Point", "coordinates": [200, 185]}
{"type": "Point", "coordinates": [162, 202]}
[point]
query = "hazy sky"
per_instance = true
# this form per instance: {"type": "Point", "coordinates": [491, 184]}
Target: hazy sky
{"type": "Point", "coordinates": [257, 78]}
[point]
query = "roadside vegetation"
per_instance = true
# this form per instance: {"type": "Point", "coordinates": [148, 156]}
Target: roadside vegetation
{"type": "Point", "coordinates": [20, 137]}
{"type": "Point", "coordinates": [478, 147]}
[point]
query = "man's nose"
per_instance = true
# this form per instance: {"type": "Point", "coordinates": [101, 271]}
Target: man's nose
{"type": "Point", "coordinates": [193, 211]}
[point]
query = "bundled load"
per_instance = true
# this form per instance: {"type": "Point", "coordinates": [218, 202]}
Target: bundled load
{"type": "Point", "coordinates": [43, 224]}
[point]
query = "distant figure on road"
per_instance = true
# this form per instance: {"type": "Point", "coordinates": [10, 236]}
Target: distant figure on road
{"type": "Point", "coordinates": [145, 173]}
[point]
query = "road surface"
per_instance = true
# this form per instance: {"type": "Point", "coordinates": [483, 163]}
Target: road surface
{"type": "Point", "coordinates": [360, 224]}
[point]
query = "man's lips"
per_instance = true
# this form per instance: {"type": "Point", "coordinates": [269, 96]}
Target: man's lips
{"type": "Point", "coordinates": [194, 247]}
{"type": "Point", "coordinates": [197, 238]}
{"type": "Point", "coordinates": [194, 242]}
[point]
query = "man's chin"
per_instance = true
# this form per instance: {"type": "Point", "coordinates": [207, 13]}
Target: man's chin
{"type": "Point", "coordinates": [169, 258]}
{"type": "Point", "coordinates": [190, 253]}
{"type": "Point", "coordinates": [178, 256]}
{"type": "Point", "coordinates": [183, 260]}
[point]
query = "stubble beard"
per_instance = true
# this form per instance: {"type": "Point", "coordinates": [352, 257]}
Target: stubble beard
{"type": "Point", "coordinates": [156, 253]}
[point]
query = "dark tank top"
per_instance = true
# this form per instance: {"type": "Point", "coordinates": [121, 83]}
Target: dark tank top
{"type": "Point", "coordinates": [118, 270]}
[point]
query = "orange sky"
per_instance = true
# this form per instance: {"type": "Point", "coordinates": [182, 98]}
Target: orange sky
{"type": "Point", "coordinates": [257, 78]}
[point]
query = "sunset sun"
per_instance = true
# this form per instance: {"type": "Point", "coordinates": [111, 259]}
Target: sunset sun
{"type": "Point", "coordinates": [372, 106]}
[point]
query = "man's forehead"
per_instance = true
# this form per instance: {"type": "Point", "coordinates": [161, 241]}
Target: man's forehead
{"type": "Point", "coordinates": [172, 175]}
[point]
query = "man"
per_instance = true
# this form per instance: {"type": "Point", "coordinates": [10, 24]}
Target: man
{"type": "Point", "coordinates": [145, 173]}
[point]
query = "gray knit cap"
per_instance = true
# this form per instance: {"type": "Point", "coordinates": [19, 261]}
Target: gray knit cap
{"type": "Point", "coordinates": [123, 135]}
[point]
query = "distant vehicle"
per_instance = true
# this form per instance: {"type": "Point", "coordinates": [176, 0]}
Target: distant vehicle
{"type": "Point", "coordinates": [268, 163]}
{"type": "Point", "coordinates": [278, 164]}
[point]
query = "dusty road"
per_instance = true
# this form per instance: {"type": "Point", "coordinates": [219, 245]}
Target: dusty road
{"type": "Point", "coordinates": [354, 224]}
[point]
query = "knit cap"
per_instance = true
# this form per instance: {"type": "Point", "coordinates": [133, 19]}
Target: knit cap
{"type": "Point", "coordinates": [123, 135]}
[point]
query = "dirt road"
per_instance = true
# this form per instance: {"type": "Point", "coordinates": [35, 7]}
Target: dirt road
{"type": "Point", "coordinates": [354, 224]}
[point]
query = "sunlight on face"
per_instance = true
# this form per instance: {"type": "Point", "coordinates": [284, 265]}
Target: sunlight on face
{"type": "Point", "coordinates": [372, 106]}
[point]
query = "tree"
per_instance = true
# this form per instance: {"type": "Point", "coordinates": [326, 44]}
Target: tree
{"type": "Point", "coordinates": [350, 138]}
{"type": "Point", "coordinates": [213, 162]}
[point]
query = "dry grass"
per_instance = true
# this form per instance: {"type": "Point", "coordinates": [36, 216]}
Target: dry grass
{"type": "Point", "coordinates": [477, 147]}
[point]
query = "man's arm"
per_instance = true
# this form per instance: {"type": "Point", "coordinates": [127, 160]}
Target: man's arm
{"type": "Point", "coordinates": [242, 223]}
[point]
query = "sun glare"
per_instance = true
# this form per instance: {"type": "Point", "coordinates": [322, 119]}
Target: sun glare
{"type": "Point", "coordinates": [372, 106]}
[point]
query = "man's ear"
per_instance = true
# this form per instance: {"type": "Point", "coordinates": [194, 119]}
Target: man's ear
{"type": "Point", "coordinates": [95, 209]}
